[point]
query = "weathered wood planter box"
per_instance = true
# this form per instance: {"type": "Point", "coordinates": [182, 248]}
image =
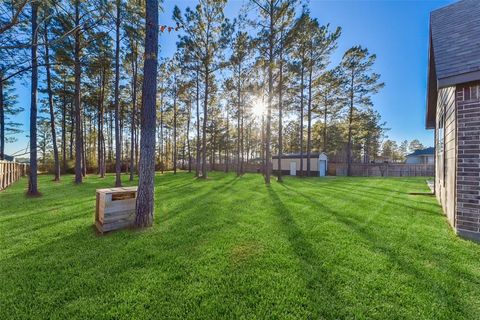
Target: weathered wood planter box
{"type": "Point", "coordinates": [115, 208]}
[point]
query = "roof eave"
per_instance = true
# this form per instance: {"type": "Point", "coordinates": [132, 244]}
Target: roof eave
{"type": "Point", "coordinates": [458, 79]}
{"type": "Point", "coordinates": [432, 87]}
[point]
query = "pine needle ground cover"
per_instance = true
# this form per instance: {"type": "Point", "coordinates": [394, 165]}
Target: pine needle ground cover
{"type": "Point", "coordinates": [233, 248]}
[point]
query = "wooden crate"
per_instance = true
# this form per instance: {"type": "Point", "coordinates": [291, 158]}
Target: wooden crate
{"type": "Point", "coordinates": [115, 208]}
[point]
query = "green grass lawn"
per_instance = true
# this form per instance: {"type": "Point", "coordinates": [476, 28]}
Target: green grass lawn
{"type": "Point", "coordinates": [228, 247]}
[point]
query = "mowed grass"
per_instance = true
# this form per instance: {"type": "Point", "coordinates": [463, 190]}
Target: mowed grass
{"type": "Point", "coordinates": [312, 248]}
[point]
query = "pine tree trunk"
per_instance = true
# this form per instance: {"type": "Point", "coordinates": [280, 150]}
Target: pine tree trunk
{"type": "Point", "coordinates": [118, 178]}
{"type": "Point", "coordinates": [309, 118]}
{"type": "Point", "coordinates": [197, 168]}
{"type": "Point", "coordinates": [134, 111]}
{"type": "Point", "coordinates": [32, 183]}
{"type": "Point", "coordinates": [302, 85]}
{"type": "Point", "coordinates": [247, 143]}
{"type": "Point", "coordinates": [122, 141]}
{"type": "Point", "coordinates": [78, 111]}
{"type": "Point", "coordinates": [213, 144]}
{"type": "Point", "coordinates": [350, 122]}
{"type": "Point", "coordinates": [280, 114]}
{"type": "Point", "coordinates": [84, 148]}
{"type": "Point", "coordinates": [168, 148]}
{"type": "Point", "coordinates": [262, 148]}
{"type": "Point", "coordinates": [175, 127]}
{"type": "Point", "coordinates": [239, 115]}
{"type": "Point", "coordinates": [270, 95]}
{"type": "Point", "coordinates": [110, 136]}
{"type": "Point", "coordinates": [101, 138]}
{"type": "Point", "coordinates": [226, 144]}
{"type": "Point", "coordinates": [99, 123]}
{"type": "Point", "coordinates": [50, 104]}
{"type": "Point", "coordinates": [64, 128]}
{"type": "Point", "coordinates": [184, 146]}
{"type": "Point", "coordinates": [2, 121]}
{"type": "Point", "coordinates": [146, 188]}
{"type": "Point", "coordinates": [242, 142]}
{"type": "Point", "coordinates": [162, 150]}
{"type": "Point", "coordinates": [71, 130]}
{"type": "Point", "coordinates": [136, 143]}
{"type": "Point", "coordinates": [188, 139]}
{"type": "Point", "coordinates": [204, 134]}
{"type": "Point", "coordinates": [325, 115]}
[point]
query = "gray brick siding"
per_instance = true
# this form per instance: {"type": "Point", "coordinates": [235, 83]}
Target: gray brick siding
{"type": "Point", "coordinates": [467, 221]}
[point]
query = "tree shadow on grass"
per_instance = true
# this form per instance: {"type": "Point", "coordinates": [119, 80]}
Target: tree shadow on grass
{"type": "Point", "coordinates": [392, 198]}
{"type": "Point", "coordinates": [37, 209]}
{"type": "Point", "coordinates": [163, 261]}
{"type": "Point", "coordinates": [384, 197]}
{"type": "Point", "coordinates": [355, 183]}
{"type": "Point", "coordinates": [18, 231]}
{"type": "Point", "coordinates": [195, 198]}
{"type": "Point", "coordinates": [123, 258]}
{"type": "Point", "coordinates": [319, 283]}
{"type": "Point", "coordinates": [172, 182]}
{"type": "Point", "coordinates": [157, 272]}
{"type": "Point", "coordinates": [67, 270]}
{"type": "Point", "coordinates": [410, 258]}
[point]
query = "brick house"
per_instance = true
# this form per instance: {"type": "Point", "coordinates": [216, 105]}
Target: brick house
{"type": "Point", "coordinates": [453, 110]}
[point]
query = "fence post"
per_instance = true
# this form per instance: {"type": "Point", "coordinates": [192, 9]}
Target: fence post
{"type": "Point", "coordinates": [11, 172]}
{"type": "Point", "coordinates": [1, 175]}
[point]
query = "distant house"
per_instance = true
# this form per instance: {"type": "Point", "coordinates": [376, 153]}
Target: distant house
{"type": "Point", "coordinates": [8, 158]}
{"type": "Point", "coordinates": [421, 156]}
{"type": "Point", "coordinates": [453, 111]}
{"type": "Point", "coordinates": [290, 164]}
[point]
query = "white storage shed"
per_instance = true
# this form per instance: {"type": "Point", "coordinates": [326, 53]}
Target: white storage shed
{"type": "Point", "coordinates": [290, 164]}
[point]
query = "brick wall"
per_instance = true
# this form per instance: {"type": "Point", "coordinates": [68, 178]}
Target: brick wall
{"type": "Point", "coordinates": [467, 219]}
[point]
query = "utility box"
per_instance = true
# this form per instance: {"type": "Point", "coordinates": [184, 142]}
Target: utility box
{"type": "Point", "coordinates": [115, 208]}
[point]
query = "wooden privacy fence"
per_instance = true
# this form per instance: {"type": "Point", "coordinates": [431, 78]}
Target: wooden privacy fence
{"type": "Point", "coordinates": [11, 172]}
{"type": "Point", "coordinates": [232, 167]}
{"type": "Point", "coordinates": [382, 170]}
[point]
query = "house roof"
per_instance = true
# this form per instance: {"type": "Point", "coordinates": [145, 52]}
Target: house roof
{"type": "Point", "coordinates": [297, 155]}
{"type": "Point", "coordinates": [454, 49]}
{"type": "Point", "coordinates": [422, 152]}
{"type": "Point", "coordinates": [8, 158]}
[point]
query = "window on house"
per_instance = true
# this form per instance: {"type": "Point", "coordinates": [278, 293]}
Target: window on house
{"type": "Point", "coordinates": [441, 132]}
{"type": "Point", "coordinates": [441, 144]}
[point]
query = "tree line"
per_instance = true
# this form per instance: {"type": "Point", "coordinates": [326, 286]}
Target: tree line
{"type": "Point", "coordinates": [236, 91]}
{"type": "Point", "coordinates": [397, 152]}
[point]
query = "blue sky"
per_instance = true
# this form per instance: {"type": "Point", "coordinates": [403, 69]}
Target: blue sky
{"type": "Point", "coordinates": [397, 31]}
